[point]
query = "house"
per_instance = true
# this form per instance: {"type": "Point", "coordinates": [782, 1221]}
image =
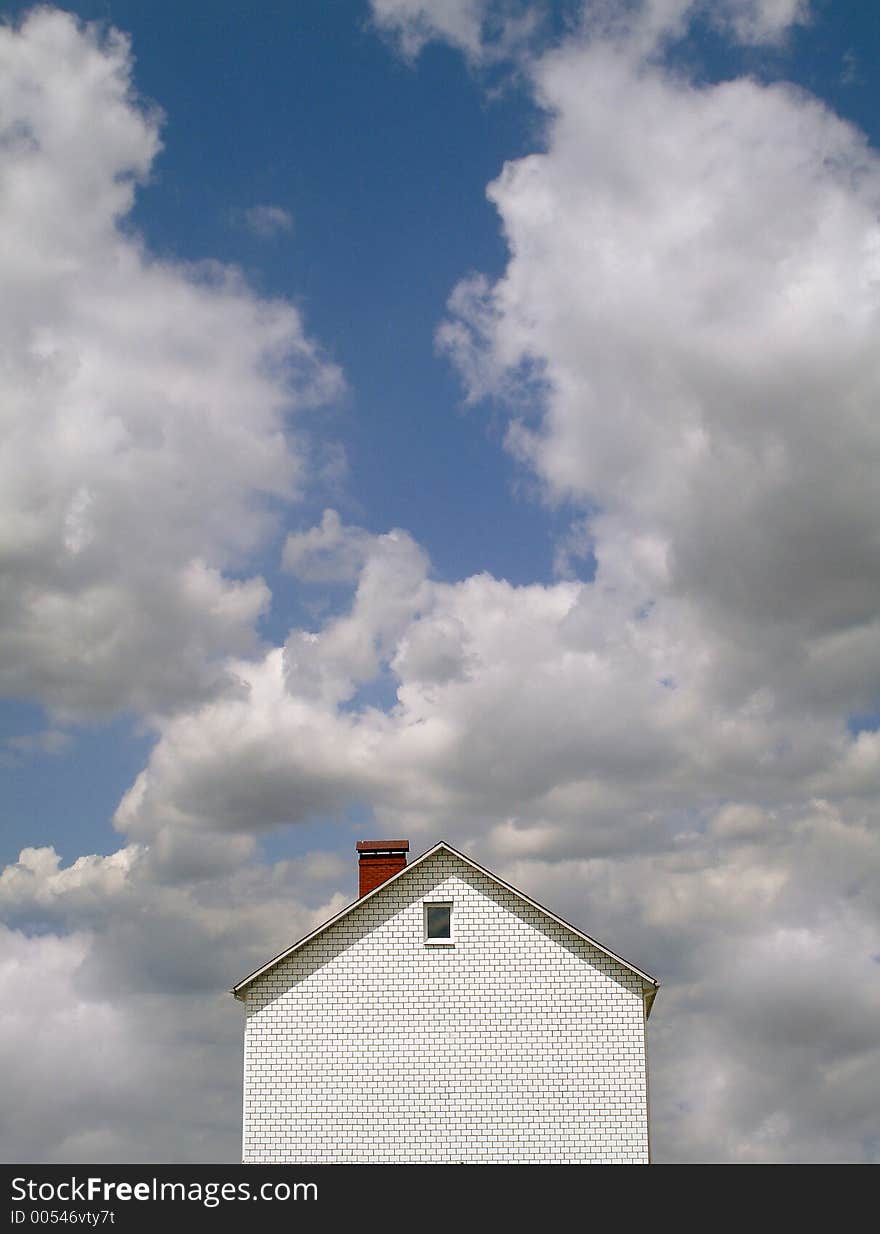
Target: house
{"type": "Point", "coordinates": [444, 1017]}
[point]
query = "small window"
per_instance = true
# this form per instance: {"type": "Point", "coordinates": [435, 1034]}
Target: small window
{"type": "Point", "coordinates": [438, 923]}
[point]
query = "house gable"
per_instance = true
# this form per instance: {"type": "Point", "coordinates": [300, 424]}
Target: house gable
{"type": "Point", "coordinates": [516, 900]}
{"type": "Point", "coordinates": [519, 1041]}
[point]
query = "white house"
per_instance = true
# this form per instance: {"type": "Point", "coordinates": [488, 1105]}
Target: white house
{"type": "Point", "coordinates": [445, 1017]}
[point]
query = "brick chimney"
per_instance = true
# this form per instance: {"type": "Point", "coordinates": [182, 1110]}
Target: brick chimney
{"type": "Point", "coordinates": [378, 860]}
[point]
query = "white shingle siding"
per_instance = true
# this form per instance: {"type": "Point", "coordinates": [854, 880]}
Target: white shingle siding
{"type": "Point", "coordinates": [521, 1043]}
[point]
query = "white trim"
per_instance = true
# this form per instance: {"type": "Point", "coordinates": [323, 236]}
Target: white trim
{"type": "Point", "coordinates": [438, 942]}
{"type": "Point", "coordinates": [238, 990]}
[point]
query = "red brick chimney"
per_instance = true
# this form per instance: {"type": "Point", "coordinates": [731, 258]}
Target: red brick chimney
{"type": "Point", "coordinates": [378, 860]}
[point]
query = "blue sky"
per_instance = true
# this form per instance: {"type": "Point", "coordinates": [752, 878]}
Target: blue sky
{"type": "Point", "coordinates": [382, 166]}
{"type": "Point", "coordinates": [455, 421]}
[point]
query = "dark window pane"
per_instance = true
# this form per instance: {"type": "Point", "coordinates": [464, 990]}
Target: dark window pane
{"type": "Point", "coordinates": [439, 921]}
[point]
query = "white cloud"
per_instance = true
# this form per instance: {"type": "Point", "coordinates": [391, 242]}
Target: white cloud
{"type": "Point", "coordinates": [682, 341]}
{"type": "Point", "coordinates": [692, 287]}
{"type": "Point", "coordinates": [541, 704]}
{"type": "Point", "coordinates": [763, 1041]}
{"type": "Point", "coordinates": [127, 1044]}
{"type": "Point", "coordinates": [491, 31]}
{"type": "Point", "coordinates": [144, 403]}
{"type": "Point", "coordinates": [266, 222]}
{"type": "Point", "coordinates": [329, 553]}
{"type": "Point", "coordinates": [415, 23]}
{"type": "Point", "coordinates": [649, 25]}
{"type": "Point", "coordinates": [490, 34]}
{"type": "Point", "coordinates": [663, 760]}
{"type": "Point", "coordinates": [762, 21]}
{"type": "Point", "coordinates": [44, 1121]}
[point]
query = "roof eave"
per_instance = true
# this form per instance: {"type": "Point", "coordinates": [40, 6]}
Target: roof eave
{"type": "Point", "coordinates": [238, 991]}
{"type": "Point", "coordinates": [650, 995]}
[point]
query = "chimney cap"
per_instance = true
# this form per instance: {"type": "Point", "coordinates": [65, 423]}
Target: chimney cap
{"type": "Point", "coordinates": [383, 846]}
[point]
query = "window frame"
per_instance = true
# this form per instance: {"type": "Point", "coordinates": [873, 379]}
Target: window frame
{"type": "Point", "coordinates": [438, 942]}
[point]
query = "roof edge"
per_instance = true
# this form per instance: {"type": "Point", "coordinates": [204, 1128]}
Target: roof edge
{"type": "Point", "coordinates": [239, 989]}
{"type": "Point", "coordinates": [282, 955]}
{"type": "Point", "coordinates": [554, 916]}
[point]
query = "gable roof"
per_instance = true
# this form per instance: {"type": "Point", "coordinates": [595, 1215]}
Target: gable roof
{"type": "Point", "coordinates": [442, 846]}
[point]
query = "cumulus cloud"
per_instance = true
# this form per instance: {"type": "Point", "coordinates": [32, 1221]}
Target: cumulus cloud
{"type": "Point", "coordinates": [328, 553]}
{"type": "Point", "coordinates": [759, 931]}
{"type": "Point", "coordinates": [145, 403]}
{"type": "Point", "coordinates": [754, 917]}
{"type": "Point", "coordinates": [682, 343]}
{"type": "Point", "coordinates": [533, 736]}
{"type": "Point", "coordinates": [291, 745]}
{"type": "Point", "coordinates": [94, 1031]}
{"type": "Point", "coordinates": [705, 381]}
{"type": "Point", "coordinates": [663, 754]}
{"type": "Point", "coordinates": [128, 976]}
{"type": "Point", "coordinates": [520, 712]}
